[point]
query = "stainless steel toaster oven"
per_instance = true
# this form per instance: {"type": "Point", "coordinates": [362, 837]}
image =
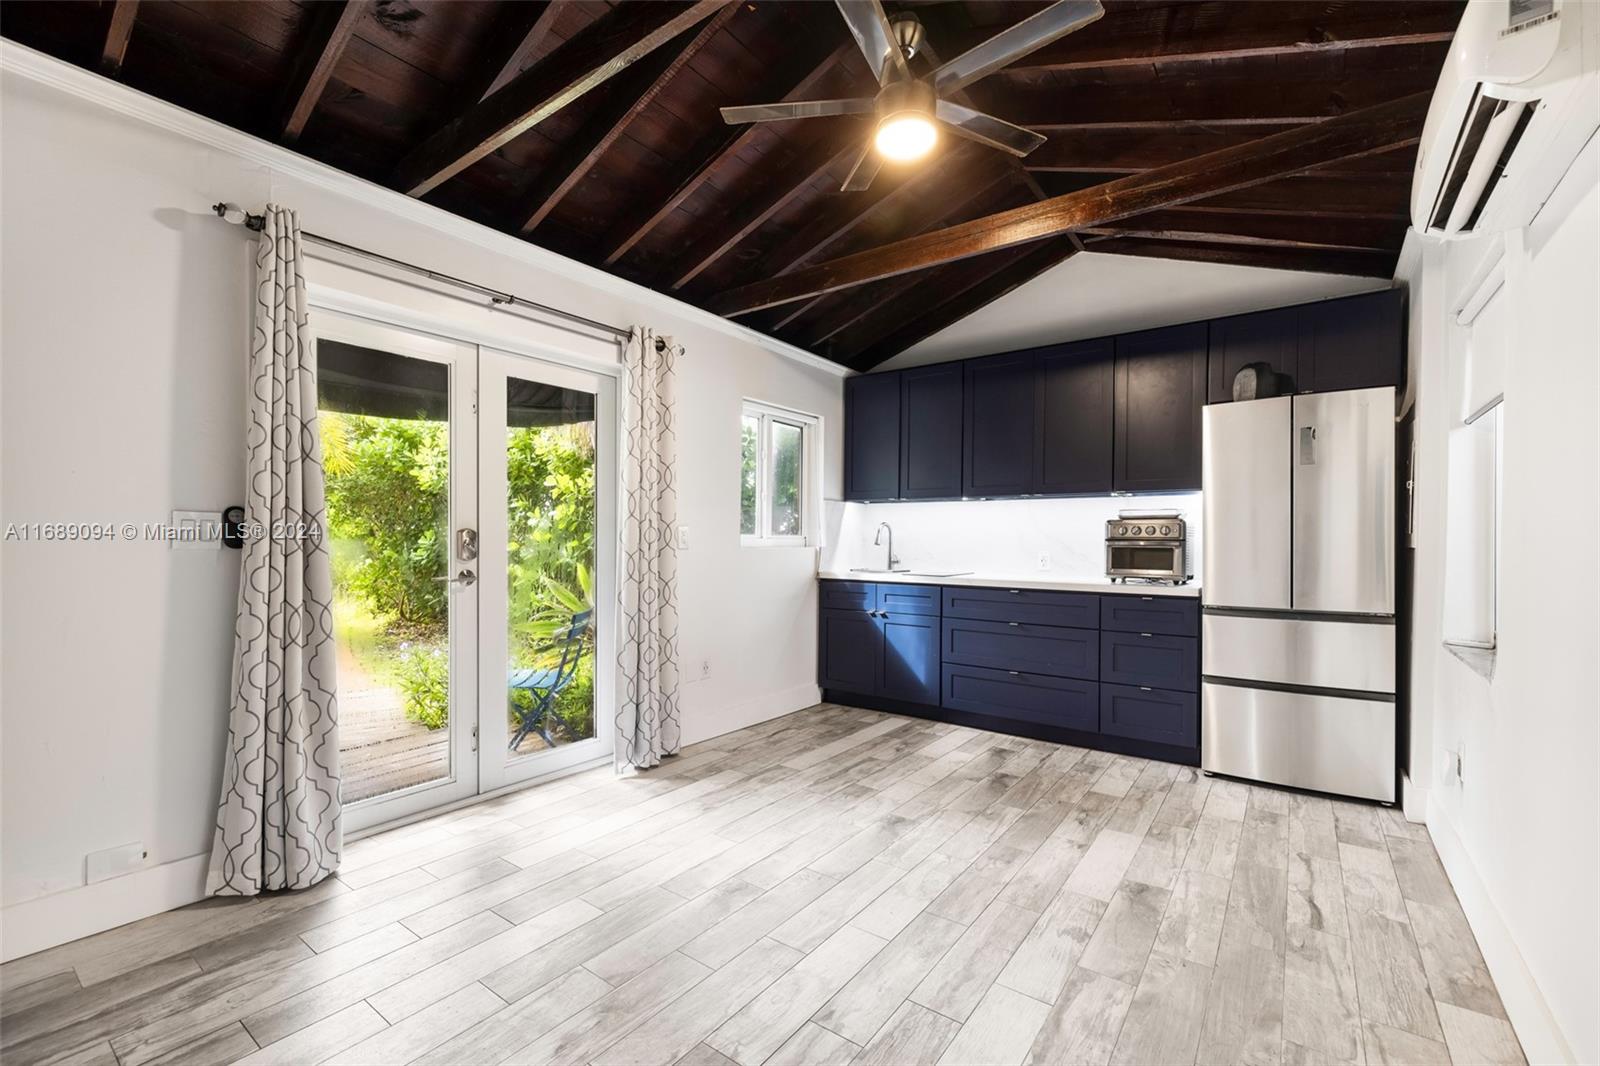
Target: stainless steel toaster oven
{"type": "Point", "coordinates": [1148, 546]}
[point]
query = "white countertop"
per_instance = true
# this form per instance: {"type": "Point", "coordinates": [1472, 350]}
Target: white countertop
{"type": "Point", "coordinates": [980, 579]}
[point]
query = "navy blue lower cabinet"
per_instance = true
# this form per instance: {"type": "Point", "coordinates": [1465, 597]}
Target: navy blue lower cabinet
{"type": "Point", "coordinates": [910, 668]}
{"type": "Point", "coordinates": [908, 599]}
{"type": "Point", "coordinates": [1038, 606]}
{"type": "Point", "coordinates": [848, 596]}
{"type": "Point", "coordinates": [1050, 701]}
{"type": "Point", "coordinates": [1150, 714]}
{"type": "Point", "coordinates": [1150, 659]}
{"type": "Point", "coordinates": [850, 650]}
{"type": "Point", "coordinates": [1030, 649]}
{"type": "Point", "coordinates": [1174, 616]}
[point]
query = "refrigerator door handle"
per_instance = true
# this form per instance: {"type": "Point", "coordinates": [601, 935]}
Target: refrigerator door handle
{"type": "Point", "coordinates": [1308, 445]}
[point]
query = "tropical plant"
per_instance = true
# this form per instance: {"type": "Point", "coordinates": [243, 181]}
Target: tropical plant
{"type": "Point", "coordinates": [424, 676]}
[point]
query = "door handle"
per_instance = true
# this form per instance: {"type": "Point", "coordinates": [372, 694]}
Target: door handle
{"type": "Point", "coordinates": [466, 579]}
{"type": "Point", "coordinates": [1308, 445]}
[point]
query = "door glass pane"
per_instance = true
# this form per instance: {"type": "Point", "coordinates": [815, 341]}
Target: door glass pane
{"type": "Point", "coordinates": [550, 549]}
{"type": "Point", "coordinates": [749, 436]}
{"type": "Point", "coordinates": [386, 452]}
{"type": "Point", "coordinates": [787, 465]}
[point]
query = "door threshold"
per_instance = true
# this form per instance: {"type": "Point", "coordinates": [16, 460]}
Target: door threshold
{"type": "Point", "coordinates": [456, 805]}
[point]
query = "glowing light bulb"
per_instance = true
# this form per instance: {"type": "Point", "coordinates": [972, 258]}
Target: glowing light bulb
{"type": "Point", "coordinates": [905, 137]}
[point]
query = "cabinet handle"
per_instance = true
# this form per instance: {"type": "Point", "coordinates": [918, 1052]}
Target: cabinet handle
{"type": "Point", "coordinates": [1013, 623]}
{"type": "Point", "coordinates": [1145, 635]}
{"type": "Point", "coordinates": [1013, 673]}
{"type": "Point", "coordinates": [1145, 688]}
{"type": "Point", "coordinates": [1148, 599]}
{"type": "Point", "coordinates": [1014, 592]}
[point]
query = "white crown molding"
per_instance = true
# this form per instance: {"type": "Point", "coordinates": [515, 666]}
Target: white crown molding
{"type": "Point", "coordinates": [114, 96]}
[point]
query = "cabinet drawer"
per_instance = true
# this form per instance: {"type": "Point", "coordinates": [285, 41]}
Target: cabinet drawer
{"type": "Point", "coordinates": [909, 599]}
{"type": "Point", "coordinates": [1027, 648]}
{"type": "Point", "coordinates": [1055, 701]}
{"type": "Point", "coordinates": [1150, 659]}
{"type": "Point", "coordinates": [1151, 614]}
{"type": "Point", "coordinates": [849, 596]}
{"type": "Point", "coordinates": [1150, 714]}
{"type": "Point", "coordinates": [1078, 609]}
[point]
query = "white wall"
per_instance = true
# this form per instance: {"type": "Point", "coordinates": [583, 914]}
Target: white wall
{"type": "Point", "coordinates": [1520, 831]}
{"type": "Point", "coordinates": [1093, 295]}
{"type": "Point", "coordinates": [997, 537]}
{"type": "Point", "coordinates": [124, 340]}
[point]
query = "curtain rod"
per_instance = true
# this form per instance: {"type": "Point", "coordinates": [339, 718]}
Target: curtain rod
{"type": "Point", "coordinates": [233, 214]}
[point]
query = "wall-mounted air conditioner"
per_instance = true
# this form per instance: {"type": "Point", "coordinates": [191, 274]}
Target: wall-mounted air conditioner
{"type": "Point", "coordinates": [1517, 100]}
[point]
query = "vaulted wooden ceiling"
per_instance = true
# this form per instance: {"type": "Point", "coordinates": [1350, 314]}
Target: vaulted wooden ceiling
{"type": "Point", "coordinates": [592, 128]}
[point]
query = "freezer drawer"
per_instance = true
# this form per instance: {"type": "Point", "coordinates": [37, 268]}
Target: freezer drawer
{"type": "Point", "coordinates": [1358, 656]}
{"type": "Point", "coordinates": [1324, 743]}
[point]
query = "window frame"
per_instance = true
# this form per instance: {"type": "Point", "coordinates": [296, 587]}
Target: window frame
{"type": "Point", "coordinates": [809, 426]}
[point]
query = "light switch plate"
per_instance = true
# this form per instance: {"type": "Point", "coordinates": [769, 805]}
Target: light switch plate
{"type": "Point", "coordinates": [683, 538]}
{"type": "Point", "coordinates": [197, 530]}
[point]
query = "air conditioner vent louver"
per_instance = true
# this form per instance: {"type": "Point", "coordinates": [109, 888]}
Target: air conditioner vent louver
{"type": "Point", "coordinates": [1488, 137]}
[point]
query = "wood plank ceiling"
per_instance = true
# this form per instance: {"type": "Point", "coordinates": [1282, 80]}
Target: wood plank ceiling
{"type": "Point", "coordinates": [591, 128]}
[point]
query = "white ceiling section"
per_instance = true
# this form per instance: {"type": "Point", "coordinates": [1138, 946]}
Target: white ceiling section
{"type": "Point", "coordinates": [1095, 295]}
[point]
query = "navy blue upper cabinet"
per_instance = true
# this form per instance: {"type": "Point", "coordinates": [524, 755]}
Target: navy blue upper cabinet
{"type": "Point", "coordinates": [930, 432]}
{"type": "Point", "coordinates": [872, 437]}
{"type": "Point", "coordinates": [1271, 337]}
{"type": "Point", "coordinates": [1160, 389]}
{"type": "Point", "coordinates": [1000, 411]}
{"type": "Point", "coordinates": [1358, 342]}
{"type": "Point", "coordinates": [1074, 403]}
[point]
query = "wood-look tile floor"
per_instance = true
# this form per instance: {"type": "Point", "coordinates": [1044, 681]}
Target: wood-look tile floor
{"type": "Point", "coordinates": [838, 886]}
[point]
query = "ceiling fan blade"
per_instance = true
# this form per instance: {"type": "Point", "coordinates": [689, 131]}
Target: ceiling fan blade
{"type": "Point", "coordinates": [783, 111]}
{"type": "Point", "coordinates": [986, 129]}
{"type": "Point", "coordinates": [1008, 46]}
{"type": "Point", "coordinates": [864, 169]}
{"type": "Point", "coordinates": [870, 27]}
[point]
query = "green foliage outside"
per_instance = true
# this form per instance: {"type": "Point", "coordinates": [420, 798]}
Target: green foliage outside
{"type": "Point", "coordinates": [387, 488]}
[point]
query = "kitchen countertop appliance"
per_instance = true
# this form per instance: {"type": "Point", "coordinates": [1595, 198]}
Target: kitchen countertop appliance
{"type": "Point", "coordinates": [1148, 546]}
{"type": "Point", "coordinates": [1298, 634]}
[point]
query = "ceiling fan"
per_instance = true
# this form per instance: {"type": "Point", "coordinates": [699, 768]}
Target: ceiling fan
{"type": "Point", "coordinates": [907, 106]}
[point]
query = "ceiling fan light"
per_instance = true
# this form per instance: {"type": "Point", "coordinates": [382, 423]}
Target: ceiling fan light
{"type": "Point", "coordinates": [905, 136]}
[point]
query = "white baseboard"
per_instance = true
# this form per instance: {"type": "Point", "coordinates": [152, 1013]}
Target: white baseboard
{"type": "Point", "coordinates": [61, 917]}
{"type": "Point", "coordinates": [1530, 1014]}
{"type": "Point", "coordinates": [763, 708]}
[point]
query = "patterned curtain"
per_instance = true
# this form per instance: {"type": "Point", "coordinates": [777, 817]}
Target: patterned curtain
{"type": "Point", "coordinates": [647, 707]}
{"type": "Point", "coordinates": [278, 819]}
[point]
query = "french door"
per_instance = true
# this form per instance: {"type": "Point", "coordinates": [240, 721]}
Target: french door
{"type": "Point", "coordinates": [471, 513]}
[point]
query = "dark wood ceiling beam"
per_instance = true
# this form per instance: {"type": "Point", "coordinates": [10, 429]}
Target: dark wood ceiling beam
{"type": "Point", "coordinates": [1186, 103]}
{"type": "Point", "coordinates": [769, 197]}
{"type": "Point", "coordinates": [118, 31]}
{"type": "Point", "coordinates": [721, 145]}
{"type": "Point", "coordinates": [872, 346]}
{"type": "Point", "coordinates": [839, 311]}
{"type": "Point", "coordinates": [332, 25]}
{"type": "Point", "coordinates": [1224, 29]}
{"type": "Point", "coordinates": [1363, 132]}
{"type": "Point", "coordinates": [635, 92]}
{"type": "Point", "coordinates": [1385, 164]}
{"type": "Point", "coordinates": [1274, 231]}
{"type": "Point", "coordinates": [1315, 195]}
{"type": "Point", "coordinates": [515, 46]}
{"type": "Point", "coordinates": [1358, 264]}
{"type": "Point", "coordinates": [620, 38]}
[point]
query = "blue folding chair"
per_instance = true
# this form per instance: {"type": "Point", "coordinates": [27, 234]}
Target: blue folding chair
{"type": "Point", "coordinates": [545, 684]}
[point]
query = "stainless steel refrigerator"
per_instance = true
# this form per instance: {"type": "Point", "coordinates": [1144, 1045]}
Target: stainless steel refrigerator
{"type": "Point", "coordinates": [1298, 623]}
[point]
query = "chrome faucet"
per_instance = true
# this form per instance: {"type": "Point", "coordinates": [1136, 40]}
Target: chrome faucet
{"type": "Point", "coordinates": [894, 560]}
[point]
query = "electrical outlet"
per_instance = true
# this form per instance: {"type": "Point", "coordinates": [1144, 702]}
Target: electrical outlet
{"type": "Point", "coordinates": [114, 862]}
{"type": "Point", "coordinates": [1044, 560]}
{"type": "Point", "coordinates": [705, 669]}
{"type": "Point", "coordinates": [683, 538]}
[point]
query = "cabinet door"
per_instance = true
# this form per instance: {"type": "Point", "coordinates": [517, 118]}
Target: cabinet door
{"type": "Point", "coordinates": [872, 437]}
{"type": "Point", "coordinates": [1270, 337]}
{"type": "Point", "coordinates": [1160, 390]}
{"type": "Point", "coordinates": [910, 669]}
{"type": "Point", "coordinates": [849, 651]}
{"type": "Point", "coordinates": [999, 426]}
{"type": "Point", "coordinates": [1358, 342]}
{"type": "Point", "coordinates": [930, 432]}
{"type": "Point", "coordinates": [1073, 434]}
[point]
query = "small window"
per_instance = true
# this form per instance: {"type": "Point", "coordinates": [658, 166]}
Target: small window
{"type": "Point", "coordinates": [777, 462]}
